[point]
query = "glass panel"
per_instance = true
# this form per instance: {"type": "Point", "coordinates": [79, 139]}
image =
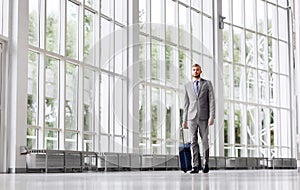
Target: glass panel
{"type": "Point", "coordinates": [282, 3]}
{"type": "Point", "coordinates": [238, 81]}
{"type": "Point", "coordinates": [285, 132]}
{"type": "Point", "coordinates": [170, 147]}
{"type": "Point", "coordinates": [142, 15]}
{"type": "Point", "coordinates": [171, 33]}
{"type": "Point", "coordinates": [272, 20]}
{"type": "Point", "coordinates": [53, 25]}
{"type": "Point", "coordinates": [251, 85]}
{"type": "Point", "coordinates": [88, 142]}
{"type": "Point", "coordinates": [227, 121]}
{"type": "Point", "coordinates": [197, 4]}
{"type": "Point", "coordinates": [51, 138]}
{"type": "Point", "coordinates": [118, 141]}
{"type": "Point", "coordinates": [155, 113]}
{"type": "Point", "coordinates": [89, 100]}
{"type": "Point", "coordinates": [196, 31]}
{"type": "Point", "coordinates": [227, 53]}
{"type": "Point", "coordinates": [107, 7]}
{"type": "Point", "coordinates": [32, 88]}
{"type": "Point", "coordinates": [237, 45]}
{"type": "Point", "coordinates": [142, 112]}
{"type": "Point", "coordinates": [142, 57]}
{"type": "Point", "coordinates": [251, 125]}
{"type": "Point", "coordinates": [274, 90]}
{"type": "Point", "coordinates": [89, 37]}
{"type": "Point", "coordinates": [157, 18]}
{"type": "Point", "coordinates": [105, 104]}
{"type": "Point", "coordinates": [72, 30]}
{"type": "Point", "coordinates": [207, 7]}
{"type": "Point", "coordinates": [249, 14]}
{"type": "Point", "coordinates": [208, 68]}
{"type": "Point", "coordinates": [227, 76]}
{"type": "Point", "coordinates": [237, 13]}
{"type": "Point", "coordinates": [170, 113]}
{"type": "Point", "coordinates": [273, 1]}
{"type": "Point", "coordinates": [120, 47]}
{"type": "Point", "coordinates": [261, 21]}
{"type": "Point", "coordinates": [31, 138]}
{"type": "Point", "coordinates": [92, 3]}
{"type": "Point", "coordinates": [156, 55]}
{"type": "Point", "coordinates": [184, 67]}
{"type": "Point", "coordinates": [263, 87]}
{"type": "Point", "coordinates": [71, 96]}
{"type": "Point", "coordinates": [284, 92]}
{"type": "Point", "coordinates": [184, 30]}
{"type": "Point", "coordinates": [273, 55]}
{"type": "Point", "coordinates": [262, 52]}
{"type": "Point", "coordinates": [118, 108]}
{"type": "Point", "coordinates": [185, 1]}
{"type": "Point", "coordinates": [263, 122]}
{"type": "Point", "coordinates": [52, 93]}
{"type": "Point", "coordinates": [121, 11]}
{"type": "Point", "coordinates": [104, 143]}
{"type": "Point", "coordinates": [34, 24]}
{"type": "Point", "coordinates": [70, 140]}
{"type": "Point", "coordinates": [283, 58]}
{"type": "Point", "coordinates": [207, 36]}
{"type": "Point", "coordinates": [274, 125]}
{"type": "Point", "coordinates": [250, 49]}
{"type": "Point", "coordinates": [107, 38]}
{"type": "Point", "coordinates": [143, 148]}
{"type": "Point", "coordinates": [237, 123]}
{"type": "Point", "coordinates": [226, 10]}
{"type": "Point", "coordinates": [170, 60]}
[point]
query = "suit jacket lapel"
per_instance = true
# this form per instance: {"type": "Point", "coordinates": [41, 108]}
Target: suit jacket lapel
{"type": "Point", "coordinates": [201, 84]}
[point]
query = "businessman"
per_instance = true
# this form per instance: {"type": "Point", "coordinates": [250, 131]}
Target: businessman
{"type": "Point", "coordinates": [198, 115]}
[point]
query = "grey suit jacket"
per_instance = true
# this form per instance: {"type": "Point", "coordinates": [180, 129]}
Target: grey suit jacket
{"type": "Point", "coordinates": [199, 107]}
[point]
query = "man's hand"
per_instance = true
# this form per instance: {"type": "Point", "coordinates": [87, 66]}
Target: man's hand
{"type": "Point", "coordinates": [184, 125]}
{"type": "Point", "coordinates": [211, 121]}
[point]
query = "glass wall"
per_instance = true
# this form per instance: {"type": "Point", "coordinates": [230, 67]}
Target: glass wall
{"type": "Point", "coordinates": [171, 39]}
{"type": "Point", "coordinates": [78, 66]}
{"type": "Point", "coordinates": [74, 100]}
{"type": "Point", "coordinates": [256, 79]}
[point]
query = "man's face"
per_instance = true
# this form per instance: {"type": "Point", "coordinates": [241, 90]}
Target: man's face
{"type": "Point", "coordinates": [196, 71]}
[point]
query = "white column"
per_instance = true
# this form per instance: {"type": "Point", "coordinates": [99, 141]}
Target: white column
{"type": "Point", "coordinates": [133, 76]}
{"type": "Point", "coordinates": [17, 93]}
{"type": "Point", "coordinates": [218, 62]}
{"type": "Point", "coordinates": [297, 77]}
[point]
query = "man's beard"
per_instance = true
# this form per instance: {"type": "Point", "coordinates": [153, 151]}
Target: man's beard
{"type": "Point", "coordinates": [196, 76]}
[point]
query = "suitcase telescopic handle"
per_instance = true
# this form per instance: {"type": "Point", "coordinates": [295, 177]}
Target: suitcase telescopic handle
{"type": "Point", "coordinates": [182, 135]}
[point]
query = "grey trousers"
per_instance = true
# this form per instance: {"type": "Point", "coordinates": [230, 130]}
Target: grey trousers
{"type": "Point", "coordinates": [202, 127]}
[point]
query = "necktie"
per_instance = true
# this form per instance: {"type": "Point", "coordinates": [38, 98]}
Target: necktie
{"type": "Point", "coordinates": [197, 87]}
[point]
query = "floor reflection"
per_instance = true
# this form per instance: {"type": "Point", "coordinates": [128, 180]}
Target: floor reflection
{"type": "Point", "coordinates": [157, 180]}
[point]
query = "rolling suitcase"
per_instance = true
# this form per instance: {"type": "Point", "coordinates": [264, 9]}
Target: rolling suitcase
{"type": "Point", "coordinates": [185, 155]}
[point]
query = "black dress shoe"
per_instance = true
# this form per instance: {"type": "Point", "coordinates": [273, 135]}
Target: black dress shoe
{"type": "Point", "coordinates": [195, 170]}
{"type": "Point", "coordinates": [205, 169]}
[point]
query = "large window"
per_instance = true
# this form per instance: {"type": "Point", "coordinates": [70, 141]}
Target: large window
{"type": "Point", "coordinates": [74, 100]}
{"type": "Point", "coordinates": [78, 74]}
{"type": "Point", "coordinates": [254, 71]}
{"type": "Point", "coordinates": [167, 49]}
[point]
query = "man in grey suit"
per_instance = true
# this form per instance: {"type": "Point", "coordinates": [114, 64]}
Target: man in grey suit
{"type": "Point", "coordinates": [198, 115]}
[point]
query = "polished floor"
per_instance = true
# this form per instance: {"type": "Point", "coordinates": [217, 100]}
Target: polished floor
{"type": "Point", "coordinates": [157, 180]}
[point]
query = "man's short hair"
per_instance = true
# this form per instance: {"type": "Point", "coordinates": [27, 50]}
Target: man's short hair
{"type": "Point", "coordinates": [196, 65]}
